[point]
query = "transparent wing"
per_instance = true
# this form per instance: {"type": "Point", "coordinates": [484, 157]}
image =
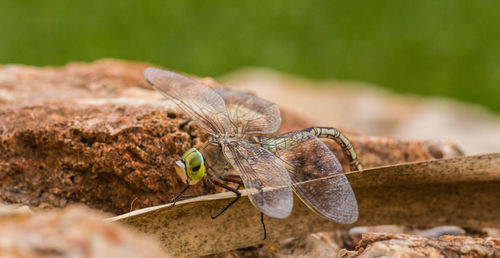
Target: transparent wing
{"type": "Point", "coordinates": [197, 100]}
{"type": "Point", "coordinates": [307, 158]}
{"type": "Point", "coordinates": [260, 169]}
{"type": "Point", "coordinates": [250, 114]}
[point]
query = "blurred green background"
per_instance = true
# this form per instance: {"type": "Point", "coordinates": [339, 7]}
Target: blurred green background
{"type": "Point", "coordinates": [449, 48]}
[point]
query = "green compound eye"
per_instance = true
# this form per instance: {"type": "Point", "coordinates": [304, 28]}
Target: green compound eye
{"type": "Point", "coordinates": [195, 168]}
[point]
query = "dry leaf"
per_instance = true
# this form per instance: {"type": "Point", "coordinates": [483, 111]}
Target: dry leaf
{"type": "Point", "coordinates": [462, 191]}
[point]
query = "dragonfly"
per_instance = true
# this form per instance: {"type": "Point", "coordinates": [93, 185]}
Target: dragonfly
{"type": "Point", "coordinates": [242, 130]}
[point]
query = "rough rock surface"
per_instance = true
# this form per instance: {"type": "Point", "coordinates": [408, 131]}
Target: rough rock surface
{"type": "Point", "coordinates": [401, 245]}
{"type": "Point", "coordinates": [104, 156]}
{"type": "Point", "coordinates": [379, 241]}
{"type": "Point", "coordinates": [97, 134]}
{"type": "Point", "coordinates": [71, 232]}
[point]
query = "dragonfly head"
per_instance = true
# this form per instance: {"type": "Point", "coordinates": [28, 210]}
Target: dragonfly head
{"type": "Point", "coordinates": [190, 168]}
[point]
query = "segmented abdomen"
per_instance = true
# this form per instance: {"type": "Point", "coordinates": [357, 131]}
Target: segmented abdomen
{"type": "Point", "coordinates": [342, 140]}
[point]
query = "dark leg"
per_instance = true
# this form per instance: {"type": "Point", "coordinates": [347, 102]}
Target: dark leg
{"type": "Point", "coordinates": [233, 179]}
{"type": "Point", "coordinates": [238, 195]}
{"type": "Point", "coordinates": [179, 195]}
{"type": "Point", "coordinates": [263, 225]}
{"type": "Point", "coordinates": [205, 192]}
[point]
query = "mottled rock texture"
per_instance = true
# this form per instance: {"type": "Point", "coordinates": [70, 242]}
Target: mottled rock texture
{"type": "Point", "coordinates": [72, 232]}
{"type": "Point", "coordinates": [401, 245]}
{"type": "Point", "coordinates": [98, 134]}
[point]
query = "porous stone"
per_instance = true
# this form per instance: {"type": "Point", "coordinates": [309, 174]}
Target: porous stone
{"type": "Point", "coordinates": [98, 134]}
{"type": "Point", "coordinates": [72, 232]}
{"type": "Point", "coordinates": [402, 245]}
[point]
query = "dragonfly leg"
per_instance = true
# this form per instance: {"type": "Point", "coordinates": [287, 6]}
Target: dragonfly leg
{"type": "Point", "coordinates": [180, 196]}
{"type": "Point", "coordinates": [237, 179]}
{"type": "Point", "coordinates": [233, 178]}
{"type": "Point", "coordinates": [263, 225]}
{"type": "Point", "coordinates": [238, 195]}
{"type": "Point", "coordinates": [340, 139]}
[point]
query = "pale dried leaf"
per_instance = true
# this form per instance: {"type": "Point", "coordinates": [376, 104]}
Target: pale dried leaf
{"type": "Point", "coordinates": [461, 191]}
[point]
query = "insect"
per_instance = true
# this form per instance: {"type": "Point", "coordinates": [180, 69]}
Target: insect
{"type": "Point", "coordinates": [270, 167]}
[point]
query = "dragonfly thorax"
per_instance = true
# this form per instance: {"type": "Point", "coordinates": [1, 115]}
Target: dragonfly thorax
{"type": "Point", "coordinates": [225, 139]}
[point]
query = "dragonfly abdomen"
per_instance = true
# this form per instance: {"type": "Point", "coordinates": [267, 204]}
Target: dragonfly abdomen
{"type": "Point", "coordinates": [342, 140]}
{"type": "Point", "coordinates": [280, 142]}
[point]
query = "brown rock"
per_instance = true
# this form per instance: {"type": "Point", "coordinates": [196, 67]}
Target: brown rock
{"type": "Point", "coordinates": [104, 156]}
{"type": "Point", "coordinates": [102, 79]}
{"type": "Point", "coordinates": [402, 245]}
{"type": "Point", "coordinates": [72, 232]}
{"type": "Point", "coordinates": [97, 134]}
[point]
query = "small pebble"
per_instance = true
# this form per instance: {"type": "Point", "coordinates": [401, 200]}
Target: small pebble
{"type": "Point", "coordinates": [441, 231]}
